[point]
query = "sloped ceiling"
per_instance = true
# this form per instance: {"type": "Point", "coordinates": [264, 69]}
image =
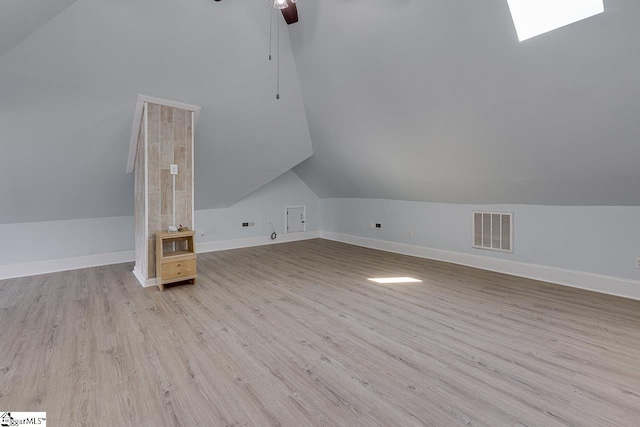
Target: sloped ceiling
{"type": "Point", "coordinates": [21, 18]}
{"type": "Point", "coordinates": [438, 101]}
{"type": "Point", "coordinates": [68, 93]}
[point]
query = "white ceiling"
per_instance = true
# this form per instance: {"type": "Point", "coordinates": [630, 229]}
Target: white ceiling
{"type": "Point", "coordinates": [438, 101]}
{"type": "Point", "coordinates": [20, 18]}
{"type": "Point", "coordinates": [68, 93]}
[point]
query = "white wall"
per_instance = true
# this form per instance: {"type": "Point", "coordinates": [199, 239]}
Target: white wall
{"type": "Point", "coordinates": [590, 247]}
{"type": "Point", "coordinates": [42, 247]}
{"type": "Point", "coordinates": [598, 240]}
{"type": "Point", "coordinates": [265, 205]}
{"type": "Point", "coordinates": [37, 241]}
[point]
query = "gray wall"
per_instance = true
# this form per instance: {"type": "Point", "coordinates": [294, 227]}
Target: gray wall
{"type": "Point", "coordinates": [40, 241]}
{"type": "Point", "coordinates": [266, 204]}
{"type": "Point", "coordinates": [603, 240]}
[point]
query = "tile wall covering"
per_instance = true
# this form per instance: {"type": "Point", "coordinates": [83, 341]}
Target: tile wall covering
{"type": "Point", "coordinates": [169, 142]}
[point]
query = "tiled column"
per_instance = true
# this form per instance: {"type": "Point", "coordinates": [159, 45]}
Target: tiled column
{"type": "Point", "coordinates": [170, 142]}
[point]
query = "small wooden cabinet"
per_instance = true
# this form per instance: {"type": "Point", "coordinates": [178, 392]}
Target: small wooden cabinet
{"type": "Point", "coordinates": [175, 257]}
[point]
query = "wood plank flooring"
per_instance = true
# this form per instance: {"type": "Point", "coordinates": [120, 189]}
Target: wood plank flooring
{"type": "Point", "coordinates": [294, 335]}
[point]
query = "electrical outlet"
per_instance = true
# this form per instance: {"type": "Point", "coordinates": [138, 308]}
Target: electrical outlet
{"type": "Point", "coordinates": [173, 169]}
{"type": "Point", "coordinates": [638, 262]}
{"type": "Point", "coordinates": [245, 224]}
{"type": "Point", "coordinates": [378, 225]}
{"type": "Point", "coordinates": [202, 231]}
{"type": "Point", "coordinates": [249, 224]}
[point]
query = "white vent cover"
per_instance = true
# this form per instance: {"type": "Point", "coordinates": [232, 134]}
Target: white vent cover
{"type": "Point", "coordinates": [493, 230]}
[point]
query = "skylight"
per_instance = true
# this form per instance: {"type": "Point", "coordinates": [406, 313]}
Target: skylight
{"type": "Point", "coordinates": [394, 280]}
{"type": "Point", "coordinates": [535, 17]}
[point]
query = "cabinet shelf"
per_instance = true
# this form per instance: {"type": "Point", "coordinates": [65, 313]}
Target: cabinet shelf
{"type": "Point", "coordinates": [175, 258]}
{"type": "Point", "coordinates": [175, 254]}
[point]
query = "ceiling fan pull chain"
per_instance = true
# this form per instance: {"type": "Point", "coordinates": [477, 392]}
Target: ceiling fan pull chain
{"type": "Point", "coordinates": [270, 31]}
{"type": "Point", "coordinates": [278, 73]}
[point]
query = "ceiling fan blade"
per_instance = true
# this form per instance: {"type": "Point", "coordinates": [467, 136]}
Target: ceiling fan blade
{"type": "Point", "coordinates": [290, 13]}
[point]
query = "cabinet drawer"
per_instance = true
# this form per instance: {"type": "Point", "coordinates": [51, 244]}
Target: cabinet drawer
{"type": "Point", "coordinates": [173, 270]}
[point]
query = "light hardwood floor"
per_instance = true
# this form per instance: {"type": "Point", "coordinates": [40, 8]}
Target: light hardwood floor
{"type": "Point", "coordinates": [294, 335]}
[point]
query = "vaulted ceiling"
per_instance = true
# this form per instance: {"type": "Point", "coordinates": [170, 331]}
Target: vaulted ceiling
{"type": "Point", "coordinates": [68, 93]}
{"type": "Point", "coordinates": [438, 101]}
{"type": "Point", "coordinates": [405, 99]}
{"type": "Point", "coordinates": [21, 18]}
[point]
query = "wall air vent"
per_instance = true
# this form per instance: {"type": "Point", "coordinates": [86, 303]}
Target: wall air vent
{"type": "Point", "coordinates": [493, 231]}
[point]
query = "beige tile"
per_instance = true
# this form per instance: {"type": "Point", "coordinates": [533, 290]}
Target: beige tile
{"type": "Point", "coordinates": [179, 158]}
{"type": "Point", "coordinates": [179, 134]}
{"type": "Point", "coordinates": [154, 112]}
{"type": "Point", "coordinates": [181, 212]}
{"type": "Point", "coordinates": [188, 183]}
{"type": "Point", "coordinates": [166, 221]}
{"type": "Point", "coordinates": [154, 124]}
{"type": "Point", "coordinates": [163, 132]}
{"type": "Point", "coordinates": [189, 148]}
{"type": "Point", "coordinates": [166, 154]}
{"type": "Point", "coordinates": [154, 133]}
{"type": "Point", "coordinates": [189, 220]}
{"type": "Point", "coordinates": [154, 213]}
{"type": "Point", "coordinates": [166, 193]}
{"type": "Point", "coordinates": [170, 136]}
{"type": "Point", "coordinates": [166, 115]}
{"type": "Point", "coordinates": [151, 270]}
{"type": "Point", "coordinates": [179, 117]}
{"type": "Point", "coordinates": [189, 209]}
{"type": "Point", "coordinates": [154, 168]}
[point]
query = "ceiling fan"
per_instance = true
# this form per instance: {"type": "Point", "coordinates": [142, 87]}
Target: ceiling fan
{"type": "Point", "coordinates": [289, 10]}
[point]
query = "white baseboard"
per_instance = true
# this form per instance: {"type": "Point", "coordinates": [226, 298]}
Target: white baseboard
{"type": "Point", "coordinates": [138, 275]}
{"type": "Point", "coordinates": [150, 282]}
{"type": "Point", "coordinates": [11, 271]}
{"type": "Point", "coordinates": [577, 279]}
{"type": "Point", "coordinates": [223, 245]}
{"type": "Point", "coordinates": [144, 282]}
